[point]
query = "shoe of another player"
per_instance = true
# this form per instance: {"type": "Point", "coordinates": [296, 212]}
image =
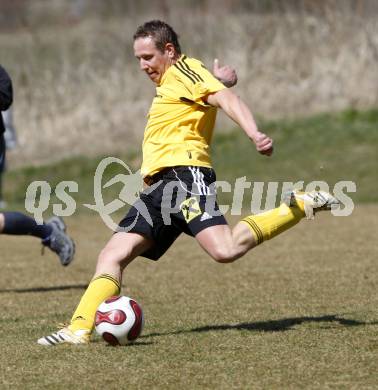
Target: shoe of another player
{"type": "Point", "coordinates": [59, 242]}
{"type": "Point", "coordinates": [65, 336]}
{"type": "Point", "coordinates": [311, 202]}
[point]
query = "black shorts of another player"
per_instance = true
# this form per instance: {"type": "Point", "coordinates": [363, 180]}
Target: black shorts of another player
{"type": "Point", "coordinates": [179, 200]}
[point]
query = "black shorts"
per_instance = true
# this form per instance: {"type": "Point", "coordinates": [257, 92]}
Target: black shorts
{"type": "Point", "coordinates": [179, 199]}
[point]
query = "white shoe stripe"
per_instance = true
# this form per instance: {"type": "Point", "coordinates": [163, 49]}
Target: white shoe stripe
{"type": "Point", "coordinates": [51, 340]}
{"type": "Point", "coordinates": [56, 340]}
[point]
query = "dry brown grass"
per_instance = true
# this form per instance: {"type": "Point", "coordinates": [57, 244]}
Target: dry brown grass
{"type": "Point", "coordinates": [79, 90]}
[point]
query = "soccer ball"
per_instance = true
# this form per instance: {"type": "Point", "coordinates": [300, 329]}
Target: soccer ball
{"type": "Point", "coordinates": [119, 320]}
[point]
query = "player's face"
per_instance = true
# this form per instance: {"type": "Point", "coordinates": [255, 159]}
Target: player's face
{"type": "Point", "coordinates": [152, 60]}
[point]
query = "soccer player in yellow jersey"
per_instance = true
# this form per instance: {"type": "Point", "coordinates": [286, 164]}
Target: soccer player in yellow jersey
{"type": "Point", "coordinates": [177, 167]}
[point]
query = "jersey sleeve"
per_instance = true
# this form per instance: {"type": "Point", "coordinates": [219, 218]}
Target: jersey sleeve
{"type": "Point", "coordinates": [198, 81]}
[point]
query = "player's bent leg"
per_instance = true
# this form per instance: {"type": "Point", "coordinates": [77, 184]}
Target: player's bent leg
{"type": "Point", "coordinates": [121, 249]}
{"type": "Point", "coordinates": [271, 223]}
{"type": "Point", "coordinates": [224, 245]}
{"type": "Point", "coordinates": [296, 205]}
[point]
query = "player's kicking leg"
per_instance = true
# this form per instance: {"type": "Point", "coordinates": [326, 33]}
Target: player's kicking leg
{"type": "Point", "coordinates": [225, 245]}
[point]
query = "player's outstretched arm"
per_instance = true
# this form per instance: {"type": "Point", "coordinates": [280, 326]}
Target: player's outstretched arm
{"type": "Point", "coordinates": [225, 74]}
{"type": "Point", "coordinates": [238, 111]}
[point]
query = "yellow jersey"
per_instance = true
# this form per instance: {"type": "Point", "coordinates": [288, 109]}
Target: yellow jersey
{"type": "Point", "coordinates": [180, 123]}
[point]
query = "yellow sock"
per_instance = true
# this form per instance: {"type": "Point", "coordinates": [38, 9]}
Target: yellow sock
{"type": "Point", "coordinates": [267, 225]}
{"type": "Point", "coordinates": [99, 289]}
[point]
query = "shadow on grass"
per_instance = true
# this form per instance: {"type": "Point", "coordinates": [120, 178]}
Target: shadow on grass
{"type": "Point", "coordinates": [280, 325]}
{"type": "Point", "coordinates": [44, 289]}
{"type": "Point", "coordinates": [134, 344]}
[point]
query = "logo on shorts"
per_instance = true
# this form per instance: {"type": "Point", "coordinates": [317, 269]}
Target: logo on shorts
{"type": "Point", "coordinates": [205, 216]}
{"type": "Point", "coordinates": [190, 209]}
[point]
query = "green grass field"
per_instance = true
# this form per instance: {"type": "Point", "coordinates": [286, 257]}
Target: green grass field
{"type": "Point", "coordinates": [298, 312]}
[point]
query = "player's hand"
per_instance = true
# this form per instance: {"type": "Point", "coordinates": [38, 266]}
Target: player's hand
{"type": "Point", "coordinates": [225, 74]}
{"type": "Point", "coordinates": [264, 144]}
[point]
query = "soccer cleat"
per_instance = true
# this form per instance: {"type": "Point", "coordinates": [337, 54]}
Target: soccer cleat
{"type": "Point", "coordinates": [65, 336]}
{"type": "Point", "coordinates": [311, 202]}
{"type": "Point", "coordinates": [58, 222]}
{"type": "Point", "coordinates": [59, 242]}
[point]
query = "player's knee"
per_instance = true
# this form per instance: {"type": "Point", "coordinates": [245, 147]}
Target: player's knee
{"type": "Point", "coordinates": [224, 255]}
{"type": "Point", "coordinates": [113, 256]}
{"type": "Point", "coordinates": [105, 257]}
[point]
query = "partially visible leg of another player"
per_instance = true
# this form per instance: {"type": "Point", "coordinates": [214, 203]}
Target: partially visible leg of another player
{"type": "Point", "coordinates": [225, 245]}
{"type": "Point", "coordinates": [120, 251]}
{"type": "Point", "coordinates": [52, 232]}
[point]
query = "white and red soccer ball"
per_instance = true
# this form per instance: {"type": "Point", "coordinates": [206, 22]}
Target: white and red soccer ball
{"type": "Point", "coordinates": [119, 320]}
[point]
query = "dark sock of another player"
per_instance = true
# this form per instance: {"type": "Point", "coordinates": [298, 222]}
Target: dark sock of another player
{"type": "Point", "coordinates": [16, 223]}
